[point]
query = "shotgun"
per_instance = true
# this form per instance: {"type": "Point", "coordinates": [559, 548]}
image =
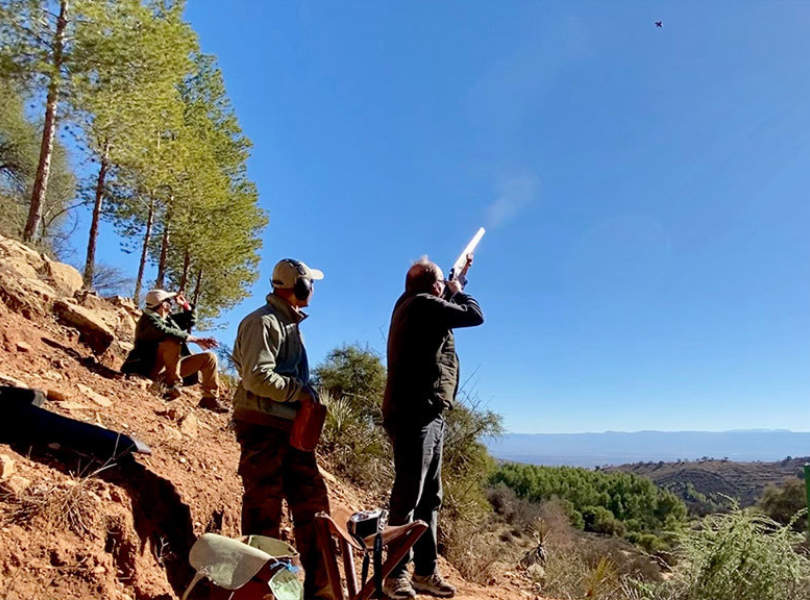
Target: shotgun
{"type": "Point", "coordinates": [458, 271]}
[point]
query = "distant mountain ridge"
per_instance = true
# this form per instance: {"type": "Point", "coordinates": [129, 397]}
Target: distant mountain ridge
{"type": "Point", "coordinates": [706, 485]}
{"type": "Point", "coordinates": [619, 448]}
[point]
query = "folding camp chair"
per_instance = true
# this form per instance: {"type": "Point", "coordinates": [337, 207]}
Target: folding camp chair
{"type": "Point", "coordinates": [328, 529]}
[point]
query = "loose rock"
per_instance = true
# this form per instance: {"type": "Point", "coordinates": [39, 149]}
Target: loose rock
{"type": "Point", "coordinates": [188, 425]}
{"type": "Point", "coordinates": [65, 279]}
{"type": "Point", "coordinates": [16, 484]}
{"type": "Point", "coordinates": [94, 396]}
{"type": "Point", "coordinates": [12, 381]}
{"type": "Point", "coordinates": [7, 466]}
{"type": "Point", "coordinates": [55, 395]}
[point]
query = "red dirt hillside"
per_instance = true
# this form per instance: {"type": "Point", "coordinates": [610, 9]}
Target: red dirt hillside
{"type": "Point", "coordinates": [72, 528]}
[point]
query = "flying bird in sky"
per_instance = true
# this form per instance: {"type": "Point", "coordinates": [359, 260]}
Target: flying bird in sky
{"type": "Point", "coordinates": [659, 23]}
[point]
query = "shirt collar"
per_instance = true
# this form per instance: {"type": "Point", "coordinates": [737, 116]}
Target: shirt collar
{"type": "Point", "coordinates": [285, 308]}
{"type": "Point", "coordinates": [149, 311]}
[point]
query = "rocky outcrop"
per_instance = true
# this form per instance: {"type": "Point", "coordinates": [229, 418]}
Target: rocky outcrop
{"type": "Point", "coordinates": [34, 285]}
{"type": "Point", "coordinates": [27, 262]}
{"type": "Point", "coordinates": [65, 279]}
{"type": "Point", "coordinates": [93, 330]}
{"type": "Point", "coordinates": [117, 314]}
{"type": "Point", "coordinates": [30, 281]}
{"type": "Point", "coordinates": [28, 296]}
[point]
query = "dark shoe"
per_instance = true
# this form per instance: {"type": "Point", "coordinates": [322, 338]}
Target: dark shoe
{"type": "Point", "coordinates": [399, 588]}
{"type": "Point", "coordinates": [172, 392]}
{"type": "Point", "coordinates": [213, 403]}
{"type": "Point", "coordinates": [434, 585]}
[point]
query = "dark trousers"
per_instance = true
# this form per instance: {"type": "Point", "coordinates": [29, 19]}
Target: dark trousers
{"type": "Point", "coordinates": [272, 470]}
{"type": "Point", "coordinates": [417, 491]}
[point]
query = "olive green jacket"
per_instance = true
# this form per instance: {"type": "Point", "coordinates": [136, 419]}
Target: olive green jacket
{"type": "Point", "coordinates": [272, 362]}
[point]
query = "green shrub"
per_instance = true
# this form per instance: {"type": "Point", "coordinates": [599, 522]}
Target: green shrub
{"type": "Point", "coordinates": [737, 556]}
{"type": "Point", "coordinates": [519, 513]}
{"type": "Point", "coordinates": [467, 465]}
{"type": "Point", "coordinates": [576, 519]}
{"type": "Point", "coordinates": [651, 543]}
{"type": "Point", "coordinates": [356, 374]}
{"type": "Point", "coordinates": [781, 503]}
{"type": "Point", "coordinates": [354, 447]}
{"type": "Point", "coordinates": [600, 520]}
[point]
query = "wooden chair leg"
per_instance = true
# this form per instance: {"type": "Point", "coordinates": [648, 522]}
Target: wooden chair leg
{"type": "Point", "coordinates": [348, 569]}
{"type": "Point", "coordinates": [329, 558]}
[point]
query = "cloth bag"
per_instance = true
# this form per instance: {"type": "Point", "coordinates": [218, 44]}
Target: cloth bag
{"type": "Point", "coordinates": [255, 562]}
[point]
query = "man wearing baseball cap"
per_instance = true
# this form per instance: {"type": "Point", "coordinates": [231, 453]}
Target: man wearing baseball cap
{"type": "Point", "coordinates": [271, 359]}
{"type": "Point", "coordinates": [161, 349]}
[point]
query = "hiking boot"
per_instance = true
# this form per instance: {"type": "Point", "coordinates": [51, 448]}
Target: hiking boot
{"type": "Point", "coordinates": [434, 585]}
{"type": "Point", "coordinates": [213, 404]}
{"type": "Point", "coordinates": [398, 587]}
{"type": "Point", "coordinates": [172, 392]}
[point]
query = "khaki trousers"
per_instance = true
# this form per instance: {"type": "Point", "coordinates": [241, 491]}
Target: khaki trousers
{"type": "Point", "coordinates": [179, 367]}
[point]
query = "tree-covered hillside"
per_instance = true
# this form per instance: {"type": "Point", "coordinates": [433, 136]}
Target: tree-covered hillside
{"type": "Point", "coordinates": [603, 502]}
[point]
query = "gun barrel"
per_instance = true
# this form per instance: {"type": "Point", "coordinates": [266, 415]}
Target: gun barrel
{"type": "Point", "coordinates": [468, 249]}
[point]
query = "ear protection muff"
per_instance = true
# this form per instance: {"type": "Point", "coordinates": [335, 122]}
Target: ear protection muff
{"type": "Point", "coordinates": [303, 284]}
{"type": "Point", "coordinates": [302, 288]}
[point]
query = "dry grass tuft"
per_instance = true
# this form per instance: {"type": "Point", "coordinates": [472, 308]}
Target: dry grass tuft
{"type": "Point", "coordinates": [472, 548]}
{"type": "Point", "coordinates": [61, 505]}
{"type": "Point", "coordinates": [580, 565]}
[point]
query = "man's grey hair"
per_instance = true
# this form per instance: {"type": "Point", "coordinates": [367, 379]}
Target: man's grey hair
{"type": "Point", "coordinates": [421, 276]}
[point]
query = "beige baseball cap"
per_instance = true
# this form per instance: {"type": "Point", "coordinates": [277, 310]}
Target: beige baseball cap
{"type": "Point", "coordinates": [288, 270]}
{"type": "Point", "coordinates": [155, 297]}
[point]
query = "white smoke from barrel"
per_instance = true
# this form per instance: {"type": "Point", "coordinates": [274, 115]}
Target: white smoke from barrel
{"type": "Point", "coordinates": [514, 195]}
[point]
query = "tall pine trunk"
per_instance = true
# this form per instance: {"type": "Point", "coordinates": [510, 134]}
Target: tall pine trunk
{"type": "Point", "coordinates": [48, 130]}
{"type": "Point", "coordinates": [197, 288]}
{"type": "Point", "coordinates": [142, 264]}
{"type": "Point", "coordinates": [164, 247]}
{"type": "Point", "coordinates": [186, 265]}
{"type": "Point", "coordinates": [90, 262]}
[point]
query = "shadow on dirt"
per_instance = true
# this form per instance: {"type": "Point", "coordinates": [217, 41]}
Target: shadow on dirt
{"type": "Point", "coordinates": [162, 520]}
{"type": "Point", "coordinates": [88, 362]}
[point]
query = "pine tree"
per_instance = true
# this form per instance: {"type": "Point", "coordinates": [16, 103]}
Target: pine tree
{"type": "Point", "coordinates": [211, 229]}
{"type": "Point", "coordinates": [145, 54]}
{"type": "Point", "coordinates": [35, 47]}
{"type": "Point", "coordinates": [19, 150]}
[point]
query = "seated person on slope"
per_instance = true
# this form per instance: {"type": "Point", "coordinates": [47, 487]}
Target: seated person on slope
{"type": "Point", "coordinates": [160, 348]}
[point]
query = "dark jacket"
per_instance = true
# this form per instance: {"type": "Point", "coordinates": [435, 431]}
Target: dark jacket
{"type": "Point", "coordinates": [423, 369]}
{"type": "Point", "coordinates": [150, 331]}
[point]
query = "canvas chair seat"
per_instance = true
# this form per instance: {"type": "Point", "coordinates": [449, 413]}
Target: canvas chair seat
{"type": "Point", "coordinates": [328, 529]}
{"type": "Point", "coordinates": [231, 564]}
{"type": "Point", "coordinates": [389, 533]}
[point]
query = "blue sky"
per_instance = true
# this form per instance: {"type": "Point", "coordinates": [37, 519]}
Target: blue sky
{"type": "Point", "coordinates": [647, 264]}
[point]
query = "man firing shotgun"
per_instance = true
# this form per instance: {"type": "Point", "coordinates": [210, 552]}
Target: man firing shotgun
{"type": "Point", "coordinates": [423, 376]}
